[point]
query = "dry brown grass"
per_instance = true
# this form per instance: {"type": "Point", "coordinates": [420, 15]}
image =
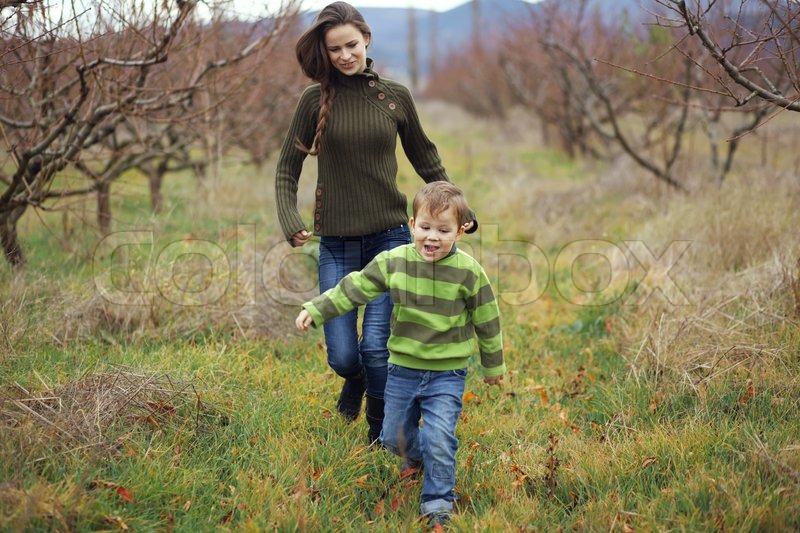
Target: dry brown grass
{"type": "Point", "coordinates": [259, 290]}
{"type": "Point", "coordinates": [739, 276]}
{"type": "Point", "coordinates": [97, 411]}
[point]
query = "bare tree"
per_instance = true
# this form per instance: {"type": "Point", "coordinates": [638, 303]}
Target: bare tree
{"type": "Point", "coordinates": [433, 42]}
{"type": "Point", "coordinates": [745, 57]}
{"type": "Point", "coordinates": [756, 44]}
{"type": "Point", "coordinates": [573, 84]}
{"type": "Point", "coordinates": [523, 60]}
{"type": "Point", "coordinates": [103, 93]}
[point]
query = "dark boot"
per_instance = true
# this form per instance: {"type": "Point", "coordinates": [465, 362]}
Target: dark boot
{"type": "Point", "coordinates": [349, 404]}
{"type": "Point", "coordinates": [374, 418]}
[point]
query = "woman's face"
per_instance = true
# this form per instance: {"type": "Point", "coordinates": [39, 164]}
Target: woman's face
{"type": "Point", "coordinates": [347, 49]}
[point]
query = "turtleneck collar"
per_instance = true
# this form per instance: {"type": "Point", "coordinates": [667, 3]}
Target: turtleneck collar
{"type": "Point", "coordinates": [356, 79]}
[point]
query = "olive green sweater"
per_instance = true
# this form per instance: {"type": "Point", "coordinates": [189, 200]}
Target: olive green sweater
{"type": "Point", "coordinates": [439, 308]}
{"type": "Point", "coordinates": [356, 191]}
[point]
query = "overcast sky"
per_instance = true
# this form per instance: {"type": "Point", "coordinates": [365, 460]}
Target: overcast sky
{"type": "Point", "coordinates": [440, 5]}
{"type": "Point", "coordinates": [256, 7]}
{"type": "Point", "coordinates": [260, 8]}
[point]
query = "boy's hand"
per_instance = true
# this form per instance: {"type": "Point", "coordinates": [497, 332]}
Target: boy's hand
{"type": "Point", "coordinates": [494, 380]}
{"type": "Point", "coordinates": [303, 320]}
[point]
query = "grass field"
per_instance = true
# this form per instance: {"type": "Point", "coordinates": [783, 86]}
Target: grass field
{"type": "Point", "coordinates": [193, 413]}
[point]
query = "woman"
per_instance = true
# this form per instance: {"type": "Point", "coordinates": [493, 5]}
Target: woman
{"type": "Point", "coordinates": [350, 119]}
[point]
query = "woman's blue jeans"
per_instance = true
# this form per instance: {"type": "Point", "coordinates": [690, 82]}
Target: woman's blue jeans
{"type": "Point", "coordinates": [436, 397]}
{"type": "Point", "coordinates": [347, 353]}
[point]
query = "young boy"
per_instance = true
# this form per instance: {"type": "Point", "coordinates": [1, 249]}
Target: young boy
{"type": "Point", "coordinates": [441, 296]}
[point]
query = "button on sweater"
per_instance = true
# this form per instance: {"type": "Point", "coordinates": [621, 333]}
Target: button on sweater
{"type": "Point", "coordinates": [356, 191]}
{"type": "Point", "coordinates": [439, 309]}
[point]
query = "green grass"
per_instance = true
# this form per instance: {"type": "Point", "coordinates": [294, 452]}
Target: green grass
{"type": "Point", "coordinates": [611, 417]}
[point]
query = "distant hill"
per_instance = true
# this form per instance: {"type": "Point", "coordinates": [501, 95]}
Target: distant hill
{"type": "Point", "coordinates": [453, 28]}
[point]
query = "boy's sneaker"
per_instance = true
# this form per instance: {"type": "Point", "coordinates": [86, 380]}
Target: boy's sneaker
{"type": "Point", "coordinates": [437, 521]}
{"type": "Point", "coordinates": [410, 468]}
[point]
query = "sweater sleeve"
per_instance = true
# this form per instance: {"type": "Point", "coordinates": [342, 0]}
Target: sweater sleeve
{"type": "Point", "coordinates": [485, 316]}
{"type": "Point", "coordinates": [290, 161]}
{"type": "Point", "coordinates": [419, 149]}
{"type": "Point", "coordinates": [357, 288]}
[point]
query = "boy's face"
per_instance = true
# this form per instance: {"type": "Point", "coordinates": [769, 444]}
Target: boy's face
{"type": "Point", "coordinates": [434, 236]}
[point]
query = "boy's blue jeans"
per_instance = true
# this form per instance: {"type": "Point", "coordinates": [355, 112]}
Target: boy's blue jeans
{"type": "Point", "coordinates": [436, 397]}
{"type": "Point", "coordinates": [347, 354]}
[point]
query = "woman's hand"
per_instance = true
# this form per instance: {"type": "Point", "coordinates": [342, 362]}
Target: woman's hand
{"type": "Point", "coordinates": [303, 320]}
{"type": "Point", "coordinates": [300, 238]}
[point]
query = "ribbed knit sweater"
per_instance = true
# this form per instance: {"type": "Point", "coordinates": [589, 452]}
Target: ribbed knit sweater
{"type": "Point", "coordinates": [356, 191]}
{"type": "Point", "coordinates": [439, 309]}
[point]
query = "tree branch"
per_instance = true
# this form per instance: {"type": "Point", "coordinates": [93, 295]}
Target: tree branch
{"type": "Point", "coordinates": [696, 27]}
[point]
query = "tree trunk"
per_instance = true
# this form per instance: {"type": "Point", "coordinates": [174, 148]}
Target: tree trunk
{"type": "Point", "coordinates": [8, 236]}
{"type": "Point", "coordinates": [156, 179]}
{"type": "Point", "coordinates": [104, 208]}
{"type": "Point", "coordinates": [413, 58]}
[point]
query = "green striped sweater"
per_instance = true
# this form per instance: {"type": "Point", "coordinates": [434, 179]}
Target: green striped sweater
{"type": "Point", "coordinates": [356, 191]}
{"type": "Point", "coordinates": [439, 309]}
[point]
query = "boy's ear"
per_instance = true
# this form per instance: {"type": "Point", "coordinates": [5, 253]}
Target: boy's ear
{"type": "Point", "coordinates": [411, 223]}
{"type": "Point", "coordinates": [460, 232]}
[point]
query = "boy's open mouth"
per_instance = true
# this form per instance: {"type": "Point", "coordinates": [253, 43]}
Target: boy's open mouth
{"type": "Point", "coordinates": [429, 248]}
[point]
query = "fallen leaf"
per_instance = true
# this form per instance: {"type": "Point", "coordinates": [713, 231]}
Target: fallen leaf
{"type": "Point", "coordinates": [187, 505]}
{"type": "Point", "coordinates": [564, 418]}
{"type": "Point", "coordinates": [469, 396]}
{"type": "Point", "coordinates": [748, 393]}
{"type": "Point", "coordinates": [650, 460]}
{"type": "Point", "coordinates": [118, 522]}
{"type": "Point", "coordinates": [468, 463]}
{"type": "Point", "coordinates": [362, 481]}
{"type": "Point", "coordinates": [146, 418]}
{"type": "Point", "coordinates": [176, 456]}
{"type": "Point", "coordinates": [125, 494]}
{"type": "Point", "coordinates": [543, 395]}
{"type": "Point", "coordinates": [653, 406]}
{"type": "Point", "coordinates": [161, 407]}
{"type": "Point", "coordinates": [520, 476]}
{"type": "Point", "coordinates": [378, 510]}
{"type": "Point", "coordinates": [396, 501]}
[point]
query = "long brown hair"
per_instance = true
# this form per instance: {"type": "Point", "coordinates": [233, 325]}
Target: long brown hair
{"type": "Point", "coordinates": [312, 54]}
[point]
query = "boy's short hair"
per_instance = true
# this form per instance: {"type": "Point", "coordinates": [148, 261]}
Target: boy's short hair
{"type": "Point", "coordinates": [438, 196]}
